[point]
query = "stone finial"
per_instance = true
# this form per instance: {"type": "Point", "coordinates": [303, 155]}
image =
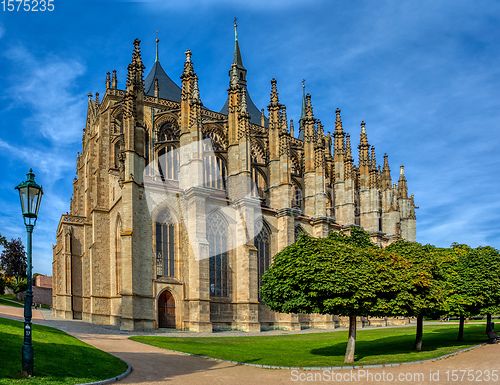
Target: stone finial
{"type": "Point", "coordinates": [402, 185]}
{"type": "Point", "coordinates": [97, 97]}
{"type": "Point", "coordinates": [108, 80]}
{"type": "Point", "coordinates": [262, 118]}
{"type": "Point", "coordinates": [114, 83]}
{"type": "Point", "coordinates": [274, 94]}
{"type": "Point", "coordinates": [291, 128]}
{"type": "Point", "coordinates": [89, 96]}
{"type": "Point", "coordinates": [386, 175]}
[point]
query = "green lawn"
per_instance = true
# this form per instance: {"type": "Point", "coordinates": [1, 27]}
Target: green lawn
{"type": "Point", "coordinates": [375, 346]}
{"type": "Point", "coordinates": [59, 358]}
{"type": "Point", "coordinates": [10, 303]}
{"type": "Point", "coordinates": [12, 297]}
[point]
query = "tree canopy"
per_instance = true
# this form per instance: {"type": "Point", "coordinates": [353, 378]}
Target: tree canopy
{"type": "Point", "coordinates": [13, 259]}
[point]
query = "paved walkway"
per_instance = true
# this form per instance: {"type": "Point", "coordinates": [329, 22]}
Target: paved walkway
{"type": "Point", "coordinates": [158, 366]}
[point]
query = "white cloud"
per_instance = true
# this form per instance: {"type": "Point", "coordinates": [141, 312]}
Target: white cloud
{"type": "Point", "coordinates": [46, 87]}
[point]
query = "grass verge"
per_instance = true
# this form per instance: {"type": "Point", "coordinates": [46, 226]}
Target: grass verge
{"type": "Point", "coordinates": [12, 297]}
{"type": "Point", "coordinates": [59, 357]}
{"type": "Point", "coordinates": [375, 346]}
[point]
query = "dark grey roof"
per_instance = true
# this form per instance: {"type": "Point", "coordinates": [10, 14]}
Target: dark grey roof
{"type": "Point", "coordinates": [251, 108]}
{"type": "Point", "coordinates": [168, 89]}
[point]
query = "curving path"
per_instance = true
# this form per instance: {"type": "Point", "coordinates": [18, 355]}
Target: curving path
{"type": "Point", "coordinates": [152, 365]}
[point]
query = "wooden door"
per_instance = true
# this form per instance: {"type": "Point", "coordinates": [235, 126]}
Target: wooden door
{"type": "Point", "coordinates": [166, 310]}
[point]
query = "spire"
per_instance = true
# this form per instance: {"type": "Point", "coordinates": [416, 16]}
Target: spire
{"type": "Point", "coordinates": [157, 41]}
{"type": "Point", "coordinates": [237, 54]}
{"type": "Point", "coordinates": [303, 111]}
{"type": "Point", "coordinates": [275, 102]}
{"type": "Point", "coordinates": [373, 160]}
{"type": "Point", "coordinates": [364, 148]}
{"type": "Point", "coordinates": [348, 161]}
{"type": "Point", "coordinates": [386, 175]}
{"type": "Point", "coordinates": [402, 186]}
{"type": "Point", "coordinates": [339, 147]}
{"type": "Point", "coordinates": [136, 69]}
{"type": "Point", "coordinates": [284, 120]}
{"type": "Point", "coordinates": [167, 89]}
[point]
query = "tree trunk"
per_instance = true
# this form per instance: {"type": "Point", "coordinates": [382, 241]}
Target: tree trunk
{"type": "Point", "coordinates": [420, 331]}
{"type": "Point", "coordinates": [488, 323]}
{"type": "Point", "coordinates": [351, 342]}
{"type": "Point", "coordinates": [461, 328]}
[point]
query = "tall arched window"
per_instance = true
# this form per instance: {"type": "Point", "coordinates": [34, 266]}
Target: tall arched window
{"type": "Point", "coordinates": [165, 245]}
{"type": "Point", "coordinates": [259, 181]}
{"type": "Point", "coordinates": [296, 197]}
{"type": "Point", "coordinates": [215, 172]}
{"type": "Point", "coordinates": [263, 244]}
{"type": "Point", "coordinates": [298, 229]}
{"type": "Point", "coordinates": [118, 257]}
{"type": "Point", "coordinates": [217, 236]}
{"type": "Point", "coordinates": [168, 163]}
{"type": "Point", "coordinates": [167, 133]}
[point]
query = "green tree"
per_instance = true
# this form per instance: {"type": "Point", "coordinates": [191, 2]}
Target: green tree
{"type": "Point", "coordinates": [475, 282]}
{"type": "Point", "coordinates": [3, 240]}
{"type": "Point", "coordinates": [420, 289]}
{"type": "Point", "coordinates": [336, 275]}
{"type": "Point", "coordinates": [13, 259]}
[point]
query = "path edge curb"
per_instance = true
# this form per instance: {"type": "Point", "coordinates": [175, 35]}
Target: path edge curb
{"type": "Point", "coordinates": [112, 379]}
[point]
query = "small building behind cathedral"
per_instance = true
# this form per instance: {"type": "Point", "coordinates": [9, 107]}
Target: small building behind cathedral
{"type": "Point", "coordinates": [177, 210]}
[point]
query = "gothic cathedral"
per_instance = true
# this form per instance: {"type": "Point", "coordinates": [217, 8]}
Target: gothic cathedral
{"type": "Point", "coordinates": [177, 210]}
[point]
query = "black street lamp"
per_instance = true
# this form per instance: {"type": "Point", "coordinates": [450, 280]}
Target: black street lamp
{"type": "Point", "coordinates": [30, 194]}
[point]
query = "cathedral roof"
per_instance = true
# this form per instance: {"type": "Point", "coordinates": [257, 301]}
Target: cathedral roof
{"type": "Point", "coordinates": [251, 108]}
{"type": "Point", "coordinates": [168, 89]}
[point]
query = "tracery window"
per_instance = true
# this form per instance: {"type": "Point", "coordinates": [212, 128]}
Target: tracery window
{"type": "Point", "coordinates": [165, 245]}
{"type": "Point", "coordinates": [262, 242]}
{"type": "Point", "coordinates": [118, 257]}
{"type": "Point", "coordinates": [168, 132]}
{"type": "Point", "coordinates": [168, 163]}
{"type": "Point", "coordinates": [257, 152]}
{"type": "Point", "coordinates": [214, 172]}
{"type": "Point", "coordinates": [298, 229]}
{"type": "Point", "coordinates": [217, 140]}
{"type": "Point", "coordinates": [259, 186]}
{"type": "Point", "coordinates": [295, 165]}
{"type": "Point", "coordinates": [217, 235]}
{"type": "Point", "coordinates": [296, 197]}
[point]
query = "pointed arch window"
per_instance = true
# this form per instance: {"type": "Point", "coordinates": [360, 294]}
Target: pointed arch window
{"type": "Point", "coordinates": [214, 172]}
{"type": "Point", "coordinates": [262, 243]}
{"type": "Point", "coordinates": [165, 245]}
{"type": "Point", "coordinates": [259, 181]}
{"type": "Point", "coordinates": [217, 235]}
{"type": "Point", "coordinates": [168, 133]}
{"type": "Point", "coordinates": [296, 197]}
{"type": "Point", "coordinates": [168, 163]}
{"type": "Point", "coordinates": [118, 257]}
{"type": "Point", "coordinates": [298, 229]}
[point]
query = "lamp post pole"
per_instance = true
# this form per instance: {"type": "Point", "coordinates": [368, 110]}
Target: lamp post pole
{"type": "Point", "coordinates": [27, 361]}
{"type": "Point", "coordinates": [30, 194]}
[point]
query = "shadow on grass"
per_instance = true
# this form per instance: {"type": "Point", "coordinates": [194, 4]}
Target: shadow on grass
{"type": "Point", "coordinates": [398, 348]}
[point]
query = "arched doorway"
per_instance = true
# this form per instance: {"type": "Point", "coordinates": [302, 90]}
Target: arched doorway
{"type": "Point", "coordinates": [166, 310]}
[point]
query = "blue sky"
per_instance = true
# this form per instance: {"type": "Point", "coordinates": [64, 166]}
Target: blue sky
{"type": "Point", "coordinates": [423, 75]}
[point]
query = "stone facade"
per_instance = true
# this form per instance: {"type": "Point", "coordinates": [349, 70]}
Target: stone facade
{"type": "Point", "coordinates": [177, 210]}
